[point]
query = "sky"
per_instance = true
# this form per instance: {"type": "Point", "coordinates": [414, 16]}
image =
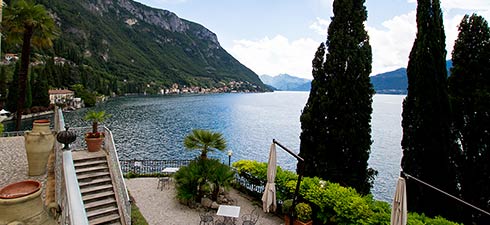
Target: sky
{"type": "Point", "coordinates": [281, 36]}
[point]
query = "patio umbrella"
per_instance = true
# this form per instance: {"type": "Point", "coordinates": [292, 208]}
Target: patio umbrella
{"type": "Point", "coordinates": [269, 196]}
{"type": "Point", "coordinates": [399, 210]}
{"type": "Point", "coordinates": [3, 111]}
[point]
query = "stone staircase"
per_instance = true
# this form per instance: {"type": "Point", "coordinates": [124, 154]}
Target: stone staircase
{"type": "Point", "coordinates": [96, 186]}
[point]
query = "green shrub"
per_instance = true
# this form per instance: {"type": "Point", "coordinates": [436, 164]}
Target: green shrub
{"type": "Point", "coordinates": [202, 177]}
{"type": "Point", "coordinates": [286, 206]}
{"type": "Point", "coordinates": [332, 203]}
{"type": "Point", "coordinates": [1, 128]}
{"type": "Point", "coordinates": [303, 212]}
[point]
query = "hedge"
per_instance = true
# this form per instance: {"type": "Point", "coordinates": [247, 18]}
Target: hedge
{"type": "Point", "coordinates": [332, 203]}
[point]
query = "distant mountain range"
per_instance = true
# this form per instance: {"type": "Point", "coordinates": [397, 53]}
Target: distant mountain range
{"type": "Point", "coordinates": [286, 82]}
{"type": "Point", "coordinates": [393, 82]}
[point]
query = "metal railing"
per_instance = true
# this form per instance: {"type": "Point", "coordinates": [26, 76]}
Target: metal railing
{"type": "Point", "coordinates": [68, 193]}
{"type": "Point", "coordinates": [150, 167]}
{"type": "Point", "coordinates": [12, 134]}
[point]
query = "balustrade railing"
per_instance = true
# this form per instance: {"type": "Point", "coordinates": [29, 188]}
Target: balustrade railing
{"type": "Point", "coordinates": [12, 134]}
{"type": "Point", "coordinates": [150, 167]}
{"type": "Point", "coordinates": [117, 176]}
{"type": "Point", "coordinates": [68, 193]}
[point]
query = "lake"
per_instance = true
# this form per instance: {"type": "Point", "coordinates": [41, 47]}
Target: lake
{"type": "Point", "coordinates": [153, 127]}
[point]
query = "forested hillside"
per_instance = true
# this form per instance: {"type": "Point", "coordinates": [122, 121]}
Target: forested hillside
{"type": "Point", "coordinates": [122, 46]}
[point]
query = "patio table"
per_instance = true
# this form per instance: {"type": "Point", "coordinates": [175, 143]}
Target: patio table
{"type": "Point", "coordinates": [229, 212]}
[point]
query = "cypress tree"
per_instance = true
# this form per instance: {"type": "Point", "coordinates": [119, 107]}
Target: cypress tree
{"type": "Point", "coordinates": [469, 90]}
{"type": "Point", "coordinates": [13, 90]}
{"type": "Point", "coordinates": [428, 145]}
{"type": "Point", "coordinates": [41, 90]}
{"type": "Point", "coordinates": [336, 131]}
{"type": "Point", "coordinates": [3, 85]}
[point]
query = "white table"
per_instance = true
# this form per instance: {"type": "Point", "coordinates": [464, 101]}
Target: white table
{"type": "Point", "coordinates": [229, 212]}
{"type": "Point", "coordinates": [170, 170]}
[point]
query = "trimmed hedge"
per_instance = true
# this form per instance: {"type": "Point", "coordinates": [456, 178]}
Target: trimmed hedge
{"type": "Point", "coordinates": [332, 203]}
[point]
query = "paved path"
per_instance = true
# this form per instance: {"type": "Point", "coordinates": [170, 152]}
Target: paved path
{"type": "Point", "coordinates": [162, 207]}
{"type": "Point", "coordinates": [13, 162]}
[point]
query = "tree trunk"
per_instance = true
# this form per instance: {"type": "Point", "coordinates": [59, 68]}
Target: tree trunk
{"type": "Point", "coordinates": [24, 68]}
{"type": "Point", "coordinates": [94, 127]}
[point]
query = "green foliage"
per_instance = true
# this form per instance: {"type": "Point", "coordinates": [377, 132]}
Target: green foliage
{"type": "Point", "coordinates": [286, 206]}
{"type": "Point", "coordinates": [428, 145]}
{"type": "Point", "coordinates": [27, 23]}
{"type": "Point", "coordinates": [88, 98]}
{"type": "Point", "coordinates": [136, 217]}
{"type": "Point", "coordinates": [143, 53]}
{"type": "Point", "coordinates": [469, 90]}
{"type": "Point", "coordinates": [188, 179]}
{"type": "Point", "coordinates": [40, 91]}
{"type": "Point", "coordinates": [96, 118]}
{"type": "Point", "coordinates": [13, 90]}
{"type": "Point", "coordinates": [205, 141]}
{"type": "Point", "coordinates": [1, 128]}
{"type": "Point", "coordinates": [336, 120]}
{"type": "Point", "coordinates": [303, 212]}
{"type": "Point", "coordinates": [334, 204]}
{"type": "Point", "coordinates": [202, 177]}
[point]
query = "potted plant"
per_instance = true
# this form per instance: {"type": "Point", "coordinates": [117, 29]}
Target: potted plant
{"type": "Point", "coordinates": [303, 213]}
{"type": "Point", "coordinates": [95, 138]}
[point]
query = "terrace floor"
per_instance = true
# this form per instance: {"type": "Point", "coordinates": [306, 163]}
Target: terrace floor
{"type": "Point", "coordinates": [162, 207]}
{"type": "Point", "coordinates": [13, 162]}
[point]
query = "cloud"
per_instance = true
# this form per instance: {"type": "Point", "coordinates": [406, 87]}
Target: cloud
{"type": "Point", "coordinates": [276, 55]}
{"type": "Point", "coordinates": [463, 4]}
{"type": "Point", "coordinates": [391, 45]}
{"type": "Point", "coordinates": [320, 26]}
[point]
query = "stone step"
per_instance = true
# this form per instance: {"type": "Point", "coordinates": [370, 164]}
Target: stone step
{"type": "Point", "coordinates": [104, 194]}
{"type": "Point", "coordinates": [102, 211]}
{"type": "Point", "coordinates": [89, 189]}
{"type": "Point", "coordinates": [91, 169]}
{"type": "Point", "coordinates": [109, 219]}
{"type": "Point", "coordinates": [93, 175]}
{"type": "Point", "coordinates": [97, 180]}
{"type": "Point", "coordinates": [99, 203]}
{"type": "Point", "coordinates": [90, 163]}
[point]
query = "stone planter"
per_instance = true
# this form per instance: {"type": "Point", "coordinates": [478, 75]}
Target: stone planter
{"type": "Point", "coordinates": [94, 144]}
{"type": "Point", "coordinates": [38, 143]}
{"type": "Point", "coordinates": [287, 221]}
{"type": "Point", "coordinates": [21, 203]}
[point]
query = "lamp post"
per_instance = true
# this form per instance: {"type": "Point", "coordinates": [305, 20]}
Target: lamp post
{"type": "Point", "coordinates": [230, 153]}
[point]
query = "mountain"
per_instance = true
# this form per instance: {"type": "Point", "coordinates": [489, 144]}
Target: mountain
{"type": "Point", "coordinates": [393, 82]}
{"type": "Point", "coordinates": [137, 45]}
{"type": "Point", "coordinates": [286, 82]}
{"type": "Point", "coordinates": [396, 82]}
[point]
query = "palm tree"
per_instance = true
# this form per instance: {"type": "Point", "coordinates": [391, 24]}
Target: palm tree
{"type": "Point", "coordinates": [26, 22]}
{"type": "Point", "coordinates": [96, 118]}
{"type": "Point", "coordinates": [205, 141]}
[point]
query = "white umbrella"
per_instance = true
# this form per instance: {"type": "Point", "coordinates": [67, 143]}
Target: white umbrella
{"type": "Point", "coordinates": [269, 196]}
{"type": "Point", "coordinates": [3, 111]}
{"type": "Point", "coordinates": [399, 210]}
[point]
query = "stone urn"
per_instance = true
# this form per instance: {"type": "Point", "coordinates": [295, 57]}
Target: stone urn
{"type": "Point", "coordinates": [38, 143]}
{"type": "Point", "coordinates": [21, 203]}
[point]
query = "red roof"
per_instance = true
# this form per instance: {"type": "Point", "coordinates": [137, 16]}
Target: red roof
{"type": "Point", "coordinates": [64, 91]}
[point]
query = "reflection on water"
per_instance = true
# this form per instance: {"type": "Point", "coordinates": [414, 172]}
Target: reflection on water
{"type": "Point", "coordinates": [153, 127]}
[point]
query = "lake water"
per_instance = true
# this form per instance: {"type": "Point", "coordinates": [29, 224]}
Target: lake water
{"type": "Point", "coordinates": [153, 127]}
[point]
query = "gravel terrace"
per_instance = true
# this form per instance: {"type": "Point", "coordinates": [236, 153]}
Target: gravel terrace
{"type": "Point", "coordinates": [162, 207]}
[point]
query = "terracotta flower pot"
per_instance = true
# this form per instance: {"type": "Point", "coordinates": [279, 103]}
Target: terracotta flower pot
{"type": "Point", "coordinates": [94, 144]}
{"type": "Point", "coordinates": [22, 202]}
{"type": "Point", "coordinates": [287, 220]}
